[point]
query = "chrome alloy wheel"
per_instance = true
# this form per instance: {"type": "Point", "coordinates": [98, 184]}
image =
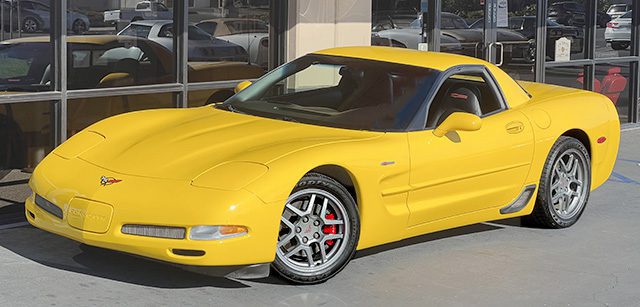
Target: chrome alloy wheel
{"type": "Point", "coordinates": [568, 190]}
{"type": "Point", "coordinates": [313, 230]}
{"type": "Point", "coordinates": [30, 25]}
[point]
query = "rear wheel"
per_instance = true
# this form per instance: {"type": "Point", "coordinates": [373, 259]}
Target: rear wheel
{"type": "Point", "coordinates": [319, 230]}
{"type": "Point", "coordinates": [79, 27]}
{"type": "Point", "coordinates": [564, 186]}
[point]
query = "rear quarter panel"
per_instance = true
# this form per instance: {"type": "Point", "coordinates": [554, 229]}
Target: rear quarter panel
{"type": "Point", "coordinates": [555, 111]}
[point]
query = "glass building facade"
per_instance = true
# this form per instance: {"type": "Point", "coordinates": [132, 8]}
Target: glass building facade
{"type": "Point", "coordinates": [66, 64]}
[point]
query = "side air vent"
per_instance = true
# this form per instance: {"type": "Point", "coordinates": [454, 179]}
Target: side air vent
{"type": "Point", "coordinates": [521, 201]}
{"type": "Point", "coordinates": [48, 206]}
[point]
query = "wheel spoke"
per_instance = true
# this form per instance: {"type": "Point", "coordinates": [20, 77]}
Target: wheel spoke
{"type": "Point", "coordinates": [570, 164]}
{"type": "Point", "coordinates": [287, 223]}
{"type": "Point", "coordinates": [295, 210]}
{"type": "Point", "coordinates": [294, 251]}
{"type": "Point", "coordinates": [565, 202]}
{"type": "Point", "coordinates": [563, 165]}
{"type": "Point", "coordinates": [286, 239]}
{"type": "Point", "coordinates": [309, 253]}
{"type": "Point", "coordinates": [323, 252]}
{"type": "Point", "coordinates": [556, 197]}
{"type": "Point", "coordinates": [332, 237]}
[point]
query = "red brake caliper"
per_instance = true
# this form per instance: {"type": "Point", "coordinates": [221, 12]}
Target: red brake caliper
{"type": "Point", "coordinates": [330, 229]}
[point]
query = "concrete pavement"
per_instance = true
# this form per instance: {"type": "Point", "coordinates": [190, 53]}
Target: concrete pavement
{"type": "Point", "coordinates": [594, 263]}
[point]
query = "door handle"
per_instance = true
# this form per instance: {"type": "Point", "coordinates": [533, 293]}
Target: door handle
{"type": "Point", "coordinates": [515, 127]}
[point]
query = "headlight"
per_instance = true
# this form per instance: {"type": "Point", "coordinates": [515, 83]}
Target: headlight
{"type": "Point", "coordinates": [208, 233]}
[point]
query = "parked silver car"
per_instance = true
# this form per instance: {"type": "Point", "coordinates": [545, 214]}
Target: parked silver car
{"type": "Point", "coordinates": [618, 32]}
{"type": "Point", "coordinates": [202, 46]}
{"type": "Point", "coordinates": [251, 34]}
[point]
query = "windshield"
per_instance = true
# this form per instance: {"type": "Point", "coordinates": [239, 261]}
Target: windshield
{"type": "Point", "coordinates": [136, 30]}
{"type": "Point", "coordinates": [338, 92]}
{"type": "Point", "coordinates": [22, 66]}
{"type": "Point", "coordinates": [618, 9]}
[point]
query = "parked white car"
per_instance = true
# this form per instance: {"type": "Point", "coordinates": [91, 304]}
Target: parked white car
{"type": "Point", "coordinates": [202, 46]}
{"type": "Point", "coordinates": [251, 34]}
{"type": "Point", "coordinates": [618, 32]}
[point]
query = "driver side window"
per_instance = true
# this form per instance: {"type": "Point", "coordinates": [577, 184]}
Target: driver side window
{"type": "Point", "coordinates": [468, 92]}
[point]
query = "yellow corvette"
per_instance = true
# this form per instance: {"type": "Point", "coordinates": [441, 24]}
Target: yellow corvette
{"type": "Point", "coordinates": [337, 151]}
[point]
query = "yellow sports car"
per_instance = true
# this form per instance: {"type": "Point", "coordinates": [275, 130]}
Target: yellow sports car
{"type": "Point", "coordinates": [337, 151]}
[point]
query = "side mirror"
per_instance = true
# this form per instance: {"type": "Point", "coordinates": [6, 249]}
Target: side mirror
{"type": "Point", "coordinates": [241, 86]}
{"type": "Point", "coordinates": [458, 121]}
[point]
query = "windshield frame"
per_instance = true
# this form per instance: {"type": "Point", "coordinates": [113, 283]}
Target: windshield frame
{"type": "Point", "coordinates": [413, 105]}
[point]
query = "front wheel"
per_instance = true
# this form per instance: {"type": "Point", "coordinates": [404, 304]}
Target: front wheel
{"type": "Point", "coordinates": [30, 25]}
{"type": "Point", "coordinates": [564, 186]}
{"type": "Point", "coordinates": [319, 230]}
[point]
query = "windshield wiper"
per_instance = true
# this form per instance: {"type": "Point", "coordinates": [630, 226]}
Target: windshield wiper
{"type": "Point", "coordinates": [229, 108]}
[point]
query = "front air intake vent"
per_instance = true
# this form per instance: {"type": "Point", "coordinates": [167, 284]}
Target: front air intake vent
{"type": "Point", "coordinates": [48, 206]}
{"type": "Point", "coordinates": [154, 231]}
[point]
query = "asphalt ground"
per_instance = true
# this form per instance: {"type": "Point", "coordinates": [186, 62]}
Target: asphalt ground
{"type": "Point", "coordinates": [594, 263]}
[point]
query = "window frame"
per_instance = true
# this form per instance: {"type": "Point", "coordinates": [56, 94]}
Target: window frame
{"type": "Point", "coordinates": [420, 121]}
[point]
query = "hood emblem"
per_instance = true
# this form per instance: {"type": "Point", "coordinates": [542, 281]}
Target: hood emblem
{"type": "Point", "coordinates": [105, 181]}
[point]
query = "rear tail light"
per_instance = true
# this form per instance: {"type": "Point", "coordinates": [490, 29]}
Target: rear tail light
{"type": "Point", "coordinates": [612, 25]}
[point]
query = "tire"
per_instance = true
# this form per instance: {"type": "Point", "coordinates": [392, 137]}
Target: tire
{"type": "Point", "coordinates": [30, 25]}
{"type": "Point", "coordinates": [619, 45]}
{"type": "Point", "coordinates": [332, 225]}
{"type": "Point", "coordinates": [566, 173]}
{"type": "Point", "coordinates": [78, 27]}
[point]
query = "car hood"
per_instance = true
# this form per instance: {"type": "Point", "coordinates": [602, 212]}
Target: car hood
{"type": "Point", "coordinates": [182, 143]}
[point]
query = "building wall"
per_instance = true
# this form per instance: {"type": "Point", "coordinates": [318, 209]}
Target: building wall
{"type": "Point", "coordinates": [321, 24]}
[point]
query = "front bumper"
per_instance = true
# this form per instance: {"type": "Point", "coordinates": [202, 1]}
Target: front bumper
{"type": "Point", "coordinates": [94, 214]}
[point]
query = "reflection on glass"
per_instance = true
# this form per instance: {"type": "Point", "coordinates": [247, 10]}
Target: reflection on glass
{"type": "Point", "coordinates": [614, 40]}
{"type": "Point", "coordinates": [236, 31]}
{"type": "Point", "coordinates": [26, 134]}
{"type": "Point", "coordinates": [566, 33]}
{"type": "Point", "coordinates": [122, 46]}
{"type": "Point", "coordinates": [612, 80]}
{"type": "Point", "coordinates": [84, 112]}
{"type": "Point", "coordinates": [571, 76]}
{"type": "Point", "coordinates": [24, 62]}
{"type": "Point", "coordinates": [203, 97]}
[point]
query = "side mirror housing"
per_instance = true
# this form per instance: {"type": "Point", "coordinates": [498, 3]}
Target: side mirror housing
{"type": "Point", "coordinates": [241, 86]}
{"type": "Point", "coordinates": [458, 121]}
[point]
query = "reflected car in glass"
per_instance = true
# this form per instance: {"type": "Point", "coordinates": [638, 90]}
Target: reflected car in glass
{"type": "Point", "coordinates": [251, 34]}
{"type": "Point", "coordinates": [36, 17]}
{"type": "Point", "coordinates": [618, 32]}
{"type": "Point", "coordinates": [617, 10]}
{"type": "Point", "coordinates": [526, 25]}
{"type": "Point", "coordinates": [143, 10]}
{"type": "Point", "coordinates": [102, 61]}
{"type": "Point", "coordinates": [571, 13]}
{"type": "Point", "coordinates": [300, 169]}
{"type": "Point", "coordinates": [465, 39]}
{"type": "Point", "coordinates": [202, 46]}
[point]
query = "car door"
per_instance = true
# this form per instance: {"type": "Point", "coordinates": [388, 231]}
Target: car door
{"type": "Point", "coordinates": [468, 171]}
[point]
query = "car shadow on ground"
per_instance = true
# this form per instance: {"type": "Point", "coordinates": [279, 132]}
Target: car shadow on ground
{"type": "Point", "coordinates": [65, 254]}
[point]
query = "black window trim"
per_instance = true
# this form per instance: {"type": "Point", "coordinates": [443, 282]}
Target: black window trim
{"type": "Point", "coordinates": [419, 123]}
